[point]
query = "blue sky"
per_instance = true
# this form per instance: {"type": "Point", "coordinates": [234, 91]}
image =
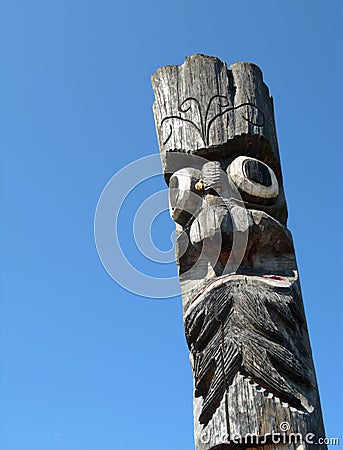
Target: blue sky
{"type": "Point", "coordinates": [86, 364]}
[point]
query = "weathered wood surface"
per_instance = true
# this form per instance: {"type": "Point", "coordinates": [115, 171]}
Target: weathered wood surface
{"type": "Point", "coordinates": [201, 107]}
{"type": "Point", "coordinates": [242, 304]}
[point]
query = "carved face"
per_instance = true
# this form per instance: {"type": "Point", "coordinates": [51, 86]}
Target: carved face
{"type": "Point", "coordinates": [240, 296]}
{"type": "Point", "coordinates": [229, 218]}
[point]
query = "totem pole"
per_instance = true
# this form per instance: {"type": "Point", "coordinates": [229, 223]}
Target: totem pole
{"type": "Point", "coordinates": [254, 380]}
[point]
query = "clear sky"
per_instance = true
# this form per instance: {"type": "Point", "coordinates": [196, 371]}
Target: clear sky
{"type": "Point", "coordinates": [86, 364]}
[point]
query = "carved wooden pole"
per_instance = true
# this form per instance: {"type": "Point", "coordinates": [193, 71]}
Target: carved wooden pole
{"type": "Point", "coordinates": [254, 380]}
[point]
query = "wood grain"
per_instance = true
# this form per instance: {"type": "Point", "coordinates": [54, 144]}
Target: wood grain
{"type": "Point", "coordinates": [254, 379]}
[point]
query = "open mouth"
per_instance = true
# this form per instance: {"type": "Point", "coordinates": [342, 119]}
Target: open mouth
{"type": "Point", "coordinates": [274, 281]}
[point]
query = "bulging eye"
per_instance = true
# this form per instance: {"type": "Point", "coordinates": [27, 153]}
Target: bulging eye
{"type": "Point", "coordinates": [255, 180]}
{"type": "Point", "coordinates": [184, 198]}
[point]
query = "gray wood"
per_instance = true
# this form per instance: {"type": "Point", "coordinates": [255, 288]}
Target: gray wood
{"type": "Point", "coordinates": [201, 106]}
{"type": "Point", "coordinates": [242, 304]}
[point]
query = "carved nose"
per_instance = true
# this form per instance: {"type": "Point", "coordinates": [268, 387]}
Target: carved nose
{"type": "Point", "coordinates": [214, 178]}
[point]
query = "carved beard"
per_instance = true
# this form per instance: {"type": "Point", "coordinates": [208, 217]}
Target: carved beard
{"type": "Point", "coordinates": [256, 329]}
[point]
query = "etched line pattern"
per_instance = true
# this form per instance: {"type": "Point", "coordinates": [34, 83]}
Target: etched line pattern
{"type": "Point", "coordinates": [205, 122]}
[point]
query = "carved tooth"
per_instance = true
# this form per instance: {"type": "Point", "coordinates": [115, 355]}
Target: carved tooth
{"type": "Point", "coordinates": [260, 388]}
